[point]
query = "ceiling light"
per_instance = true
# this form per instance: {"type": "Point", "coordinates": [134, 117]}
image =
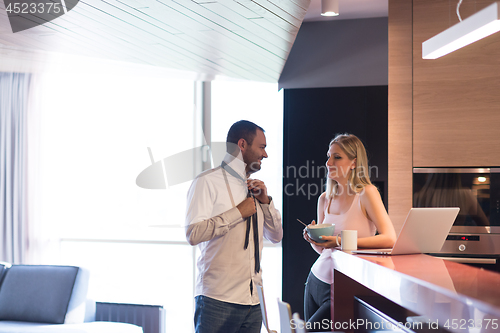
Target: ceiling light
{"type": "Point", "coordinates": [329, 7]}
{"type": "Point", "coordinates": [481, 179]}
{"type": "Point", "coordinates": [475, 27]}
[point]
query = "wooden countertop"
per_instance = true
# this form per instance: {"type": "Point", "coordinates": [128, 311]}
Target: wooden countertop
{"type": "Point", "coordinates": [458, 296]}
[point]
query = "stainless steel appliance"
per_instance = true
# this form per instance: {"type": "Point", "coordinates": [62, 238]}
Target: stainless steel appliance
{"type": "Point", "coordinates": [475, 235]}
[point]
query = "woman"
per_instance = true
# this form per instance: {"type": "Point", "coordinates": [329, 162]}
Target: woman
{"type": "Point", "coordinates": [350, 202]}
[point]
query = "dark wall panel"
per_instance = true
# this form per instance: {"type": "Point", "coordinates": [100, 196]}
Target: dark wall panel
{"type": "Point", "coordinates": [312, 117]}
{"type": "Point", "coordinates": [344, 53]}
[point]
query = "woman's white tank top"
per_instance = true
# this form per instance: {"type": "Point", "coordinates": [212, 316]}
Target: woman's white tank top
{"type": "Point", "coordinates": [353, 219]}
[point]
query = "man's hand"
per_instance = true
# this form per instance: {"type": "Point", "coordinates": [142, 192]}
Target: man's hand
{"type": "Point", "coordinates": [247, 207]}
{"type": "Point", "coordinates": [259, 190]}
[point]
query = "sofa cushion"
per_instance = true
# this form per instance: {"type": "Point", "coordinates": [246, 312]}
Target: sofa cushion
{"type": "Point", "coordinates": [37, 293]}
{"type": "Point", "coordinates": [94, 327]}
{"type": "Point", "coordinates": [78, 305]}
{"type": "Point", "coordinates": [3, 268]}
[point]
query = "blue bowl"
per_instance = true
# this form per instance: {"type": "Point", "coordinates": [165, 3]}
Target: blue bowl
{"type": "Point", "coordinates": [316, 230]}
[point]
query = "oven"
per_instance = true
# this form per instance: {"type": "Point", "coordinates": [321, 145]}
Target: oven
{"type": "Point", "coordinates": [475, 235]}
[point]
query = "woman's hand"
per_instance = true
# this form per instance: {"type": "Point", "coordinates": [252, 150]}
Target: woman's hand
{"type": "Point", "coordinates": [329, 243]}
{"type": "Point", "coordinates": [306, 235]}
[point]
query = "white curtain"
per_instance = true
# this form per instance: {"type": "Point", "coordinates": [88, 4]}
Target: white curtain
{"type": "Point", "coordinates": [14, 91]}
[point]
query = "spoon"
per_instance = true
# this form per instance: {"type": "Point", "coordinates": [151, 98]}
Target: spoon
{"type": "Point", "coordinates": [302, 222]}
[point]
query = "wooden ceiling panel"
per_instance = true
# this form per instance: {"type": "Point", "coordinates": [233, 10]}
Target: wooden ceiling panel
{"type": "Point", "coordinates": [239, 8]}
{"type": "Point", "coordinates": [284, 10]}
{"type": "Point", "coordinates": [246, 39]}
{"type": "Point", "coordinates": [226, 40]}
{"type": "Point", "coordinates": [250, 55]}
{"type": "Point", "coordinates": [216, 51]}
{"type": "Point", "coordinates": [248, 24]}
{"type": "Point", "coordinates": [221, 24]}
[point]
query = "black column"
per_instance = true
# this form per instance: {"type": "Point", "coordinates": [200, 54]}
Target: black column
{"type": "Point", "coordinates": [312, 117]}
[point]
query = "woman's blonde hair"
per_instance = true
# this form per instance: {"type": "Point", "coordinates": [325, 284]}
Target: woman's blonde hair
{"type": "Point", "coordinates": [359, 177]}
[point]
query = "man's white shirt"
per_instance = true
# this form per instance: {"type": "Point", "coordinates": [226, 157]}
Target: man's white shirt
{"type": "Point", "coordinates": [225, 268]}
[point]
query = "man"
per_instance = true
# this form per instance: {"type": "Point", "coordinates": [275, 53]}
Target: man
{"type": "Point", "coordinates": [227, 216]}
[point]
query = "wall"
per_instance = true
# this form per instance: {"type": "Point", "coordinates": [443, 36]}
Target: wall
{"type": "Point", "coordinates": [442, 112]}
{"type": "Point", "coordinates": [455, 98]}
{"type": "Point", "coordinates": [400, 145]}
{"type": "Point", "coordinates": [311, 120]}
{"type": "Point", "coordinates": [335, 81]}
{"type": "Point", "coordinates": [345, 53]}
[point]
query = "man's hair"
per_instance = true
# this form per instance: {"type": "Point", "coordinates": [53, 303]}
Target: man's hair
{"type": "Point", "coordinates": [242, 129]}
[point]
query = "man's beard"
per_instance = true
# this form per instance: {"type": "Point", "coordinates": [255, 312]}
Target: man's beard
{"type": "Point", "coordinates": [252, 162]}
{"type": "Point", "coordinates": [254, 167]}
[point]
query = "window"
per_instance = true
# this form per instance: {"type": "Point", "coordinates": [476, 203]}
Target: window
{"type": "Point", "coordinates": [95, 130]}
{"type": "Point", "coordinates": [262, 104]}
{"type": "Point", "coordinates": [95, 133]}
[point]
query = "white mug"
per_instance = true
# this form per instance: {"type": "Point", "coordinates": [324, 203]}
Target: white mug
{"type": "Point", "coordinates": [349, 240]}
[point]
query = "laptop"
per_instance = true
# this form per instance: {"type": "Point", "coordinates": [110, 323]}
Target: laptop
{"type": "Point", "coordinates": [424, 231]}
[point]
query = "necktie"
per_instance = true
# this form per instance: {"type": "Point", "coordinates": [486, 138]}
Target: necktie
{"type": "Point", "coordinates": [251, 220]}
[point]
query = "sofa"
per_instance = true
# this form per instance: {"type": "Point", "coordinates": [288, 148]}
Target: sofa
{"type": "Point", "coordinates": [45, 298]}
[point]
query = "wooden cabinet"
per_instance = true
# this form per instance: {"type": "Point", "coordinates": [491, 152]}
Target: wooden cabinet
{"type": "Point", "coordinates": [456, 99]}
{"type": "Point", "coordinates": [443, 112]}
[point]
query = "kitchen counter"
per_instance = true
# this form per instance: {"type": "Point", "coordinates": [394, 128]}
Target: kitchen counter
{"type": "Point", "coordinates": [453, 296]}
